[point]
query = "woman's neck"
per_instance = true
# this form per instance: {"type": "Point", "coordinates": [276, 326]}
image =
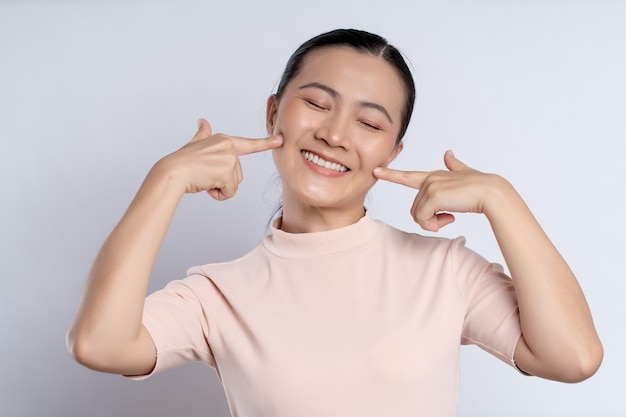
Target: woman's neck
{"type": "Point", "coordinates": [299, 217]}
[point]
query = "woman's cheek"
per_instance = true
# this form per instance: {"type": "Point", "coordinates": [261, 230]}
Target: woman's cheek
{"type": "Point", "coordinates": [282, 125]}
{"type": "Point", "coordinates": [290, 129]}
{"type": "Point", "coordinates": [296, 119]}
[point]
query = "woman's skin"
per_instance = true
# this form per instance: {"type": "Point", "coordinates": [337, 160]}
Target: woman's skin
{"type": "Point", "coordinates": [343, 106]}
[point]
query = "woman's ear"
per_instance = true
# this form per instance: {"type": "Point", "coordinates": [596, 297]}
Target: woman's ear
{"type": "Point", "coordinates": [270, 114]}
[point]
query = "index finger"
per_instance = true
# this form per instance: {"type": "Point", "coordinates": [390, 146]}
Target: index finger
{"type": "Point", "coordinates": [245, 146]}
{"type": "Point", "coordinates": [413, 179]}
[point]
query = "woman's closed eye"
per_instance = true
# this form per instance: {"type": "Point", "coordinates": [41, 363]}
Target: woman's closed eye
{"type": "Point", "coordinates": [315, 104]}
{"type": "Point", "coordinates": [370, 125]}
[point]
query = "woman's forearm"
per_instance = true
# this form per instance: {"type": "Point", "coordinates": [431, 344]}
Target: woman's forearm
{"type": "Point", "coordinates": [559, 338]}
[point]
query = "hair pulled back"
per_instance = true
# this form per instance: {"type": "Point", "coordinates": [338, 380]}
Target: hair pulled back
{"type": "Point", "coordinates": [364, 42]}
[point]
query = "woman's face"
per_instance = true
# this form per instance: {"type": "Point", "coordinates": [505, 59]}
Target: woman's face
{"type": "Point", "coordinates": [340, 118]}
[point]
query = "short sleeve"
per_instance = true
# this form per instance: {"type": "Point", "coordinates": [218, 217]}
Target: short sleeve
{"type": "Point", "coordinates": [492, 314]}
{"type": "Point", "coordinates": [178, 318]}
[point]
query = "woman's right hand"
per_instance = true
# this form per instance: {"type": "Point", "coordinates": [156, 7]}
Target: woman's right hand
{"type": "Point", "coordinates": [211, 162]}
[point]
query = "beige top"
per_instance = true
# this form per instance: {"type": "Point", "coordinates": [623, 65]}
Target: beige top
{"type": "Point", "coordinates": [363, 321]}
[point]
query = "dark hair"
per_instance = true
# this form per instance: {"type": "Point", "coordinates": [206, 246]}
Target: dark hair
{"type": "Point", "coordinates": [363, 42]}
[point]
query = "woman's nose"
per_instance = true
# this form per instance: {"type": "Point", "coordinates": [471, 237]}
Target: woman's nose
{"type": "Point", "coordinates": [335, 131]}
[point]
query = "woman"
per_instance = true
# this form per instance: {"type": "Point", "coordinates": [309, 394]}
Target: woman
{"type": "Point", "coordinates": [335, 313]}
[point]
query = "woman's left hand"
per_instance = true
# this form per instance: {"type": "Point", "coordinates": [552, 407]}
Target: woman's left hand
{"type": "Point", "coordinates": [459, 189]}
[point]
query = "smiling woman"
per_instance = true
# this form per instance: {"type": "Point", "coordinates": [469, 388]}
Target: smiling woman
{"type": "Point", "coordinates": [335, 313]}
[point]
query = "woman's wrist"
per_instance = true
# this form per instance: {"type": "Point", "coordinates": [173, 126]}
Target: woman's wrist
{"type": "Point", "coordinates": [501, 196]}
{"type": "Point", "coordinates": [164, 176]}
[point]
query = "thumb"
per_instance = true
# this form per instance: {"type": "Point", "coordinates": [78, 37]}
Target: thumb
{"type": "Point", "coordinates": [452, 163]}
{"type": "Point", "coordinates": [204, 130]}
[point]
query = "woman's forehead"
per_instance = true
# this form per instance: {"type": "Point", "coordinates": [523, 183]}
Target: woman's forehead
{"type": "Point", "coordinates": [353, 74]}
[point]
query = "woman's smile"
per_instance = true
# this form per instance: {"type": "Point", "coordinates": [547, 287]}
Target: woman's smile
{"type": "Point", "coordinates": [327, 165]}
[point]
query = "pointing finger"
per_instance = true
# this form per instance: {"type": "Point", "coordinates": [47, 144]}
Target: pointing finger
{"type": "Point", "coordinates": [245, 146]}
{"type": "Point", "coordinates": [412, 179]}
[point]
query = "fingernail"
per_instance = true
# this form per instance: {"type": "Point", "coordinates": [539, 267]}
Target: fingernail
{"type": "Point", "coordinates": [378, 170]}
{"type": "Point", "coordinates": [199, 123]}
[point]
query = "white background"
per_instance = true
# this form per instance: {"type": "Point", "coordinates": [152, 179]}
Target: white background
{"type": "Point", "coordinates": [93, 93]}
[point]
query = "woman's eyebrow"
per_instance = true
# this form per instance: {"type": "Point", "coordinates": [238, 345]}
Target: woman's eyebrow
{"type": "Point", "coordinates": [334, 94]}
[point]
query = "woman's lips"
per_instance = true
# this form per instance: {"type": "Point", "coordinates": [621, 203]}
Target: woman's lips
{"type": "Point", "coordinates": [321, 162]}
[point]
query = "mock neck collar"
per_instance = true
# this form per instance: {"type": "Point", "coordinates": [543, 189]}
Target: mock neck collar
{"type": "Point", "coordinates": [319, 244]}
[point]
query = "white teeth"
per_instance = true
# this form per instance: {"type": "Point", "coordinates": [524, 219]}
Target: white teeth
{"type": "Point", "coordinates": [321, 162]}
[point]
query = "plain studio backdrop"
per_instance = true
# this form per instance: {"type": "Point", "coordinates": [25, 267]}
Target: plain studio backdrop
{"type": "Point", "coordinates": [93, 93]}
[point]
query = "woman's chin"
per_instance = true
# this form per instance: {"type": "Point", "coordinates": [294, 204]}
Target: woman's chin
{"type": "Point", "coordinates": [323, 198]}
{"type": "Point", "coordinates": [309, 190]}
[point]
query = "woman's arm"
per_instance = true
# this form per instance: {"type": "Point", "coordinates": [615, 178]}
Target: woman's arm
{"type": "Point", "coordinates": [107, 334]}
{"type": "Point", "coordinates": [559, 340]}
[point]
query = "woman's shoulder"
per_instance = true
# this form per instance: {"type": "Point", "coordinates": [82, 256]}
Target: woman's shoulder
{"type": "Point", "coordinates": [397, 236]}
{"type": "Point", "coordinates": [231, 267]}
